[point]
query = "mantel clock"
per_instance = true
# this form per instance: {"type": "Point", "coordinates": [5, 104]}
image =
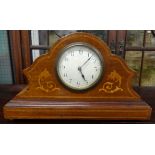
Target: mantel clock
{"type": "Point", "coordinates": [78, 78]}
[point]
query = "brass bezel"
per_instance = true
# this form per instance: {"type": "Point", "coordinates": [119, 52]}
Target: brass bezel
{"type": "Point", "coordinates": [94, 50]}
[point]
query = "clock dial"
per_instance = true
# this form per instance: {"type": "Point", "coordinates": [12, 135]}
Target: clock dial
{"type": "Point", "coordinates": [80, 66]}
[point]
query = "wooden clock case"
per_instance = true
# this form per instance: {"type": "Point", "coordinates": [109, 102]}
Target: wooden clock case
{"type": "Point", "coordinates": [45, 97]}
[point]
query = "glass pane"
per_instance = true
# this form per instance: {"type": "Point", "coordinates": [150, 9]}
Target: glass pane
{"type": "Point", "coordinates": [43, 37]}
{"type": "Point", "coordinates": [150, 39]}
{"type": "Point", "coordinates": [35, 40]}
{"type": "Point", "coordinates": [5, 63]}
{"type": "Point", "coordinates": [34, 37]}
{"type": "Point", "coordinates": [133, 59]}
{"type": "Point", "coordinates": [99, 33]}
{"type": "Point", "coordinates": [148, 74]}
{"type": "Point", "coordinates": [134, 38]}
{"type": "Point", "coordinates": [39, 37]}
{"type": "Point", "coordinates": [35, 54]}
{"type": "Point", "coordinates": [54, 35]}
{"type": "Point", "coordinates": [48, 38]}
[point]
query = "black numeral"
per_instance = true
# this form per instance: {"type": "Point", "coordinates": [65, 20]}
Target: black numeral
{"type": "Point", "coordinates": [65, 74]}
{"type": "Point", "coordinates": [95, 68]}
{"type": "Point", "coordinates": [92, 76]}
{"type": "Point", "coordinates": [78, 83]}
{"type": "Point", "coordinates": [80, 52]}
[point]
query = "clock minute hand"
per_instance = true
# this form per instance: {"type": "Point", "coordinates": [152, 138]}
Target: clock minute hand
{"type": "Point", "coordinates": [86, 61]}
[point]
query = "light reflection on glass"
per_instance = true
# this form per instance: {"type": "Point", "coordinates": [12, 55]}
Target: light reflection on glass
{"type": "Point", "coordinates": [148, 74]}
{"type": "Point", "coordinates": [134, 38]}
{"type": "Point", "coordinates": [150, 39]}
{"type": "Point", "coordinates": [133, 59]}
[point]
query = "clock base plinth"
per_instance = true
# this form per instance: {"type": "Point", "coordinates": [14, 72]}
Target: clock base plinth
{"type": "Point", "coordinates": [30, 109]}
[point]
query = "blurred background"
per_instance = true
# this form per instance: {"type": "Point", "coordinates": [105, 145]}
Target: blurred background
{"type": "Point", "coordinates": [18, 50]}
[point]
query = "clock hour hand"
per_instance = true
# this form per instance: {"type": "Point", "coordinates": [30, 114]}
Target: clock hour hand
{"type": "Point", "coordinates": [80, 70]}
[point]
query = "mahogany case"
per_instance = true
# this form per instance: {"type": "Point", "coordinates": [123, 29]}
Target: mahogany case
{"type": "Point", "coordinates": [45, 97]}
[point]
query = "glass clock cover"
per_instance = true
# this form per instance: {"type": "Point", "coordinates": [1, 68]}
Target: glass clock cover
{"type": "Point", "coordinates": [79, 66]}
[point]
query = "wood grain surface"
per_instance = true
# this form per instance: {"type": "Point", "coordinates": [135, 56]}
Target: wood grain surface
{"type": "Point", "coordinates": [7, 92]}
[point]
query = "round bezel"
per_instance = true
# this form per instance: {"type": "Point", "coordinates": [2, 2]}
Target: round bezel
{"type": "Point", "coordinates": [92, 49]}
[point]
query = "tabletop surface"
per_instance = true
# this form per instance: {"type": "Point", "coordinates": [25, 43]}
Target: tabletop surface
{"type": "Point", "coordinates": [7, 92]}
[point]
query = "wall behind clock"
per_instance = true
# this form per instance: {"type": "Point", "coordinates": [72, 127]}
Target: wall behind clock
{"type": "Point", "coordinates": [5, 59]}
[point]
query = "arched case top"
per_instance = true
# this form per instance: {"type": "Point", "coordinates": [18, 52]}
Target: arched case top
{"type": "Point", "coordinates": [43, 82]}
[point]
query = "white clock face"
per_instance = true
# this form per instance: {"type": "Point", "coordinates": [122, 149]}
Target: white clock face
{"type": "Point", "coordinates": [79, 66]}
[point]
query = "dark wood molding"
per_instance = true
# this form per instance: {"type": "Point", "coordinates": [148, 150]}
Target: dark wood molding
{"type": "Point", "coordinates": [16, 55]}
{"type": "Point", "coordinates": [121, 40]}
{"type": "Point", "coordinates": [142, 60]}
{"type": "Point", "coordinates": [112, 40]}
{"type": "Point", "coordinates": [25, 44]}
{"type": "Point", "coordinates": [20, 53]}
{"type": "Point", "coordinates": [116, 41]}
{"type": "Point", "coordinates": [42, 47]}
{"type": "Point", "coordinates": [140, 48]}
